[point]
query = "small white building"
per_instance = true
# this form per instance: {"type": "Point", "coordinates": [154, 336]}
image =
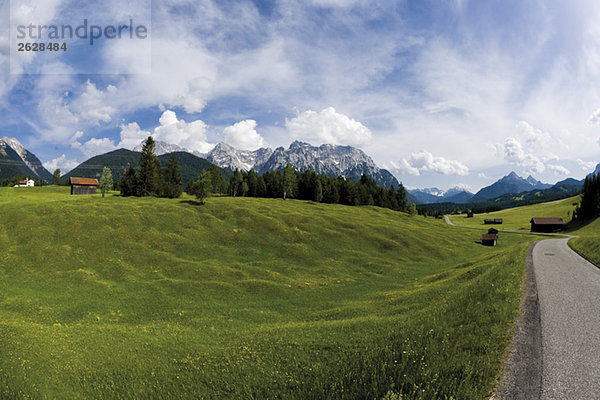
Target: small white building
{"type": "Point", "coordinates": [26, 183]}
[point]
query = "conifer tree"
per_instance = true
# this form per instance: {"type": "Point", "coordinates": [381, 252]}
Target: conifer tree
{"type": "Point", "coordinates": [172, 187]}
{"type": "Point", "coordinates": [218, 181]}
{"type": "Point", "coordinates": [289, 181]}
{"type": "Point", "coordinates": [252, 181]}
{"type": "Point", "coordinates": [129, 183]}
{"type": "Point", "coordinates": [203, 186]}
{"type": "Point", "coordinates": [261, 187]}
{"type": "Point", "coordinates": [149, 175]}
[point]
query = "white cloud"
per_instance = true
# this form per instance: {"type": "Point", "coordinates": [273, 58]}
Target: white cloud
{"type": "Point", "coordinates": [586, 165]}
{"type": "Point", "coordinates": [328, 126]}
{"type": "Point", "coordinates": [558, 170]}
{"type": "Point", "coordinates": [91, 105]}
{"type": "Point", "coordinates": [65, 165]}
{"type": "Point", "coordinates": [424, 161]}
{"type": "Point", "coordinates": [463, 186]}
{"type": "Point", "coordinates": [132, 135]}
{"type": "Point", "coordinates": [406, 168]}
{"type": "Point", "coordinates": [189, 135]}
{"type": "Point", "coordinates": [534, 137]}
{"type": "Point", "coordinates": [94, 146]}
{"type": "Point", "coordinates": [243, 135]}
{"type": "Point", "coordinates": [514, 154]}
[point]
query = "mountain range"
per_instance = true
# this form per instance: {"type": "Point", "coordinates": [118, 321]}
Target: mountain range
{"type": "Point", "coordinates": [434, 195]}
{"type": "Point", "coordinates": [511, 183]}
{"type": "Point", "coordinates": [327, 159]}
{"type": "Point", "coordinates": [502, 191]}
{"type": "Point", "coordinates": [16, 160]}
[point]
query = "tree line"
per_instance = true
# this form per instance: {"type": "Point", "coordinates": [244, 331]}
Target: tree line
{"type": "Point", "coordinates": [589, 207]}
{"type": "Point", "coordinates": [288, 183]}
{"type": "Point", "coordinates": [308, 185]}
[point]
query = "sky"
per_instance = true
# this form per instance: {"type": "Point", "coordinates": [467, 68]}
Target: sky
{"type": "Point", "coordinates": [442, 93]}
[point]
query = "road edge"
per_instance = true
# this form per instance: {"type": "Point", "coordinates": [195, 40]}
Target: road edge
{"type": "Point", "coordinates": [522, 375]}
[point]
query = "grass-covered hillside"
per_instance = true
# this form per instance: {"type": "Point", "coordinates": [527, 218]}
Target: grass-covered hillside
{"type": "Point", "coordinates": [518, 218]}
{"type": "Point", "coordinates": [588, 242]}
{"type": "Point", "coordinates": [246, 298]}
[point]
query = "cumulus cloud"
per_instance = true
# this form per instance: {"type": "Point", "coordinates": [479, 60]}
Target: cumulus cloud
{"type": "Point", "coordinates": [328, 126]}
{"type": "Point", "coordinates": [515, 154]}
{"type": "Point", "coordinates": [243, 135]}
{"type": "Point", "coordinates": [189, 135]}
{"type": "Point", "coordinates": [586, 165]}
{"type": "Point", "coordinates": [132, 135]}
{"type": "Point", "coordinates": [65, 165]}
{"type": "Point", "coordinates": [424, 161]}
{"type": "Point", "coordinates": [92, 106]}
{"type": "Point", "coordinates": [406, 168]}
{"type": "Point", "coordinates": [558, 170]}
{"type": "Point", "coordinates": [533, 136]}
{"type": "Point", "coordinates": [93, 146]}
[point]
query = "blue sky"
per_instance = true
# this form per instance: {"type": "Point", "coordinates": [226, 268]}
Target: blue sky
{"type": "Point", "coordinates": [442, 93]}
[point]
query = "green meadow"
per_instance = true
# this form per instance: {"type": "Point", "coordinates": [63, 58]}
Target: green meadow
{"type": "Point", "coordinates": [588, 242]}
{"type": "Point", "coordinates": [518, 218]}
{"type": "Point", "coordinates": [246, 298]}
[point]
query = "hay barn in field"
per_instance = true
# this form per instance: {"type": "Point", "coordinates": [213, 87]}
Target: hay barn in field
{"type": "Point", "coordinates": [489, 239]}
{"type": "Point", "coordinates": [497, 221]}
{"type": "Point", "coordinates": [83, 185]}
{"type": "Point", "coordinates": [547, 224]}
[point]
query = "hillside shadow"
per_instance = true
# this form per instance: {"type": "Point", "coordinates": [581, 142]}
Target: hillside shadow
{"type": "Point", "coordinates": [192, 202]}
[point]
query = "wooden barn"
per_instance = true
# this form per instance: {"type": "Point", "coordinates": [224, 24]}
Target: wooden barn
{"type": "Point", "coordinates": [83, 185]}
{"type": "Point", "coordinates": [470, 214]}
{"type": "Point", "coordinates": [493, 231]}
{"type": "Point", "coordinates": [547, 224]}
{"type": "Point", "coordinates": [489, 239]}
{"type": "Point", "coordinates": [496, 221]}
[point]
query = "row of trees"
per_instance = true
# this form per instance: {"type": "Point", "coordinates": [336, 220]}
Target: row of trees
{"type": "Point", "coordinates": [151, 180]}
{"type": "Point", "coordinates": [590, 199]}
{"type": "Point", "coordinates": [307, 185]}
{"type": "Point", "coordinates": [16, 179]}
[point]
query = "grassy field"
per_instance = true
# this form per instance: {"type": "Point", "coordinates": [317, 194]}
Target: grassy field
{"type": "Point", "coordinates": [246, 298]}
{"type": "Point", "coordinates": [588, 243]}
{"type": "Point", "coordinates": [518, 218]}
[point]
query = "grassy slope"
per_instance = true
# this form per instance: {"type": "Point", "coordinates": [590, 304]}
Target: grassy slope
{"type": "Point", "coordinates": [139, 298]}
{"type": "Point", "coordinates": [518, 218]}
{"type": "Point", "coordinates": [588, 243]}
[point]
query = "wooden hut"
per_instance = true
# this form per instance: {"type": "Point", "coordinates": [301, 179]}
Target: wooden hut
{"type": "Point", "coordinates": [493, 231]}
{"type": "Point", "coordinates": [496, 221]}
{"type": "Point", "coordinates": [547, 224]}
{"type": "Point", "coordinates": [470, 214]}
{"type": "Point", "coordinates": [489, 239]}
{"type": "Point", "coordinates": [83, 185]}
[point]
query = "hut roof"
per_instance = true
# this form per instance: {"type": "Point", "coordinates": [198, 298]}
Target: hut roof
{"type": "Point", "coordinates": [547, 221]}
{"type": "Point", "coordinates": [489, 236]}
{"type": "Point", "coordinates": [84, 181]}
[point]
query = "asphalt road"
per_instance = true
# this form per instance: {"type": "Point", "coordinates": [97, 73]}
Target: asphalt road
{"type": "Point", "coordinates": [556, 350]}
{"type": "Point", "coordinates": [569, 298]}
